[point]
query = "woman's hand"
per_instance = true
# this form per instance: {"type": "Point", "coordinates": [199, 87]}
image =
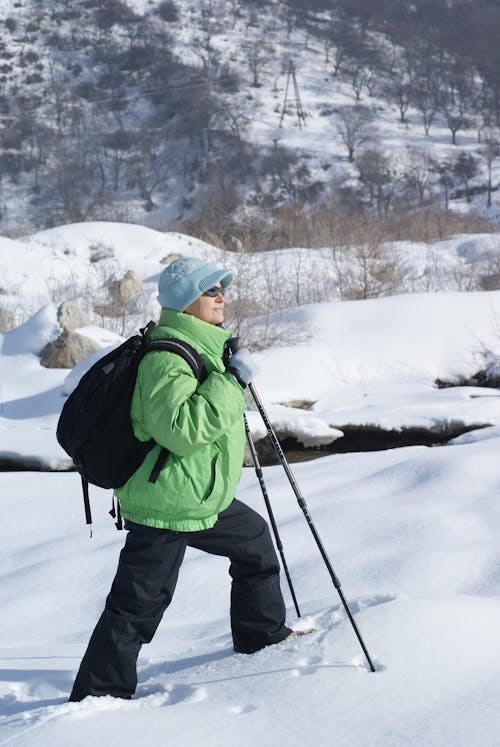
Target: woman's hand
{"type": "Point", "coordinates": [243, 366]}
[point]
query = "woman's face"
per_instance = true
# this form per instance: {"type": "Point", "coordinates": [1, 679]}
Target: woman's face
{"type": "Point", "coordinates": [208, 308]}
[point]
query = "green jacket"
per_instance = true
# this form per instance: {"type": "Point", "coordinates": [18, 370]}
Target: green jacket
{"type": "Point", "coordinates": [200, 424]}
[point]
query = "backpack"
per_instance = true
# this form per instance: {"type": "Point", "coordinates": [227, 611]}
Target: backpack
{"type": "Point", "coordinates": [95, 427]}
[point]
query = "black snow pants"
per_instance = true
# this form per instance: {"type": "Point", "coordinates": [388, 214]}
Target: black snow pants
{"type": "Point", "coordinates": [144, 585]}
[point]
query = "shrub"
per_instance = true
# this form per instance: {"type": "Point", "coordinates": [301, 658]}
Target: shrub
{"type": "Point", "coordinates": [168, 11]}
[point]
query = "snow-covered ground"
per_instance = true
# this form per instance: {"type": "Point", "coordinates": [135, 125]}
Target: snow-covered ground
{"type": "Point", "coordinates": [412, 534]}
{"type": "Point", "coordinates": [369, 362]}
{"type": "Point", "coordinates": [73, 262]}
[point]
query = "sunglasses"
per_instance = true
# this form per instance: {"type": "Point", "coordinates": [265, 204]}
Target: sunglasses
{"type": "Point", "coordinates": [214, 291]}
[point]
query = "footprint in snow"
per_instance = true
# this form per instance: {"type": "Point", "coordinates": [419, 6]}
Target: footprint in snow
{"type": "Point", "coordinates": [243, 709]}
{"type": "Point", "coordinates": [171, 694]}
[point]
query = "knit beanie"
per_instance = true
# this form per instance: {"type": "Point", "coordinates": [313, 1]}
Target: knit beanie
{"type": "Point", "coordinates": [185, 279]}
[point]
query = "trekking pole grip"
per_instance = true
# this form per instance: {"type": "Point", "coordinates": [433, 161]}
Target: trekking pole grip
{"type": "Point", "coordinates": [233, 345]}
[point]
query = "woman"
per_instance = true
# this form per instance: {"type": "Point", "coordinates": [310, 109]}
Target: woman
{"type": "Point", "coordinates": [191, 503]}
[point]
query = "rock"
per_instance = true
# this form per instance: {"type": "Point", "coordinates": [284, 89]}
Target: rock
{"type": "Point", "coordinates": [111, 310]}
{"type": "Point", "coordinates": [234, 244]}
{"type": "Point", "coordinates": [300, 404]}
{"type": "Point", "coordinates": [490, 282]}
{"type": "Point", "coordinates": [170, 258]}
{"type": "Point", "coordinates": [126, 289]}
{"type": "Point", "coordinates": [100, 251]}
{"type": "Point", "coordinates": [7, 320]}
{"type": "Point", "coordinates": [70, 316]}
{"type": "Point", "coordinates": [67, 350]}
{"type": "Point", "coordinates": [121, 293]}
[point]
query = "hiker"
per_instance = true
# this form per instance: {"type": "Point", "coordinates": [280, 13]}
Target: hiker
{"type": "Point", "coordinates": [191, 502]}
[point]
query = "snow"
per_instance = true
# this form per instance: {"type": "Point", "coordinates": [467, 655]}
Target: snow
{"type": "Point", "coordinates": [412, 534]}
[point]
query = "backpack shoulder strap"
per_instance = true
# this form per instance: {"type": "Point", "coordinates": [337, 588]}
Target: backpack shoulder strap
{"type": "Point", "coordinates": [185, 350]}
{"type": "Point", "coordinates": [193, 358]}
{"type": "Point", "coordinates": [86, 503]}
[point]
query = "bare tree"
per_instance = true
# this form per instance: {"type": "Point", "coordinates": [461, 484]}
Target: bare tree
{"type": "Point", "coordinates": [208, 54]}
{"type": "Point", "coordinates": [355, 127]}
{"type": "Point", "coordinates": [328, 44]}
{"type": "Point", "coordinates": [490, 151]}
{"type": "Point", "coordinates": [252, 316]}
{"type": "Point", "coordinates": [455, 105]}
{"type": "Point", "coordinates": [399, 89]}
{"type": "Point", "coordinates": [340, 36]}
{"type": "Point", "coordinates": [455, 119]}
{"type": "Point", "coordinates": [425, 77]}
{"type": "Point", "coordinates": [209, 25]}
{"type": "Point", "coordinates": [258, 55]}
{"type": "Point", "coordinates": [339, 58]}
{"type": "Point", "coordinates": [426, 99]}
{"type": "Point", "coordinates": [117, 145]}
{"type": "Point", "coordinates": [80, 179]}
{"type": "Point", "coordinates": [421, 167]}
{"type": "Point", "coordinates": [278, 163]}
{"type": "Point", "coordinates": [233, 117]}
{"type": "Point", "coordinates": [376, 173]}
{"type": "Point", "coordinates": [360, 78]}
{"type": "Point", "coordinates": [445, 171]}
{"type": "Point", "coordinates": [364, 267]}
{"type": "Point", "coordinates": [465, 168]}
{"type": "Point", "coordinates": [149, 167]}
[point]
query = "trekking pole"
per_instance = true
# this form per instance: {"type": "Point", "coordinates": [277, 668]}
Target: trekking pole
{"type": "Point", "coordinates": [279, 545]}
{"type": "Point", "coordinates": [233, 345]}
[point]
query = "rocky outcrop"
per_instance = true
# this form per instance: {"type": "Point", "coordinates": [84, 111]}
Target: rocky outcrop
{"type": "Point", "coordinates": [70, 316]}
{"type": "Point", "coordinates": [170, 258]}
{"type": "Point", "coordinates": [67, 350]}
{"type": "Point", "coordinates": [126, 289]}
{"type": "Point", "coordinates": [122, 292]}
{"type": "Point", "coordinates": [70, 347]}
{"type": "Point", "coordinates": [489, 376]}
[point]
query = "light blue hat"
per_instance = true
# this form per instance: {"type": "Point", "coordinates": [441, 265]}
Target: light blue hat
{"type": "Point", "coordinates": [185, 279]}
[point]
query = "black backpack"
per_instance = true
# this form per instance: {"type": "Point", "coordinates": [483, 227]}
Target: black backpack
{"type": "Point", "coordinates": [95, 427]}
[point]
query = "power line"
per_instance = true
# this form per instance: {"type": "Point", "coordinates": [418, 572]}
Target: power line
{"type": "Point", "coordinates": [141, 94]}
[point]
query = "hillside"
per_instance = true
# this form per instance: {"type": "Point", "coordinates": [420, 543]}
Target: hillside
{"type": "Point", "coordinates": [247, 123]}
{"type": "Point", "coordinates": [368, 363]}
{"type": "Point", "coordinates": [84, 263]}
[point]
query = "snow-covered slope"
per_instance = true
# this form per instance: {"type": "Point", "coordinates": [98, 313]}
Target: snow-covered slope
{"type": "Point", "coordinates": [371, 362]}
{"type": "Point", "coordinates": [77, 261]}
{"type": "Point", "coordinates": [413, 536]}
{"type": "Point", "coordinates": [49, 66]}
{"type": "Point", "coordinates": [362, 363]}
{"type": "Point", "coordinates": [412, 533]}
